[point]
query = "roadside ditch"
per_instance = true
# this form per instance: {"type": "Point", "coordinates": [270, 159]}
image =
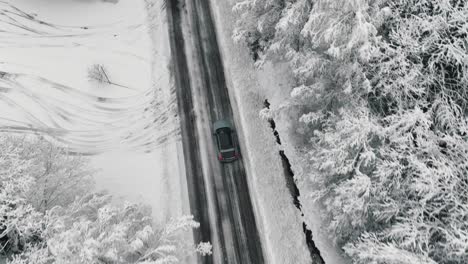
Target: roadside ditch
{"type": "Point", "coordinates": [295, 194]}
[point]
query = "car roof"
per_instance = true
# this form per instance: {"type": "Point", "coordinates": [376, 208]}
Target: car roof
{"type": "Point", "coordinates": [221, 124]}
{"type": "Point", "coordinates": [224, 139]}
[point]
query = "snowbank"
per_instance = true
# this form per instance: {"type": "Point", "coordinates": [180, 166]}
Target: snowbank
{"type": "Point", "coordinates": [172, 160]}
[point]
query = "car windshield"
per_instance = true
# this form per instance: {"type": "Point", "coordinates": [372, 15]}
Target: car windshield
{"type": "Point", "coordinates": [224, 138]}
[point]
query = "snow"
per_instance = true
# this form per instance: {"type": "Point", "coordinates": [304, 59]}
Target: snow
{"type": "Point", "coordinates": [279, 222]}
{"type": "Point", "coordinates": [176, 195]}
{"type": "Point", "coordinates": [137, 158]}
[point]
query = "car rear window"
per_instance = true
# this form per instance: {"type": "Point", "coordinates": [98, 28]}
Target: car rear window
{"type": "Point", "coordinates": [224, 138]}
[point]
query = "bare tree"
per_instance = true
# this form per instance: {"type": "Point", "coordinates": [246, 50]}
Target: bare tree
{"type": "Point", "coordinates": [98, 73]}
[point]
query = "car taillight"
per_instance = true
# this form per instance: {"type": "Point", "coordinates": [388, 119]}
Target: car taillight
{"type": "Point", "coordinates": [220, 157]}
{"type": "Point", "coordinates": [236, 154]}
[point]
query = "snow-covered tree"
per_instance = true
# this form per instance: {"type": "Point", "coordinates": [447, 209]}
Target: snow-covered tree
{"type": "Point", "coordinates": [92, 230]}
{"type": "Point", "coordinates": [20, 223]}
{"type": "Point", "coordinates": [256, 23]}
{"type": "Point", "coordinates": [59, 177]}
{"type": "Point", "coordinates": [81, 226]}
{"type": "Point", "coordinates": [381, 102]}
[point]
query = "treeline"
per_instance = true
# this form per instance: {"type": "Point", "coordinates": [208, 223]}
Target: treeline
{"type": "Point", "coordinates": [50, 213]}
{"type": "Point", "coordinates": [380, 103]}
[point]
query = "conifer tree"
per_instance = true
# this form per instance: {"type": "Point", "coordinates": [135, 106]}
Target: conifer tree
{"type": "Point", "coordinates": [380, 100]}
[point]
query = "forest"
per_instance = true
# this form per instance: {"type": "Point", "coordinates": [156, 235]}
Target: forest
{"type": "Point", "coordinates": [379, 110]}
{"type": "Point", "coordinates": [52, 213]}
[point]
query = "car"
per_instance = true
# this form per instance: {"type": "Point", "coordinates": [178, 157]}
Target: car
{"type": "Point", "coordinates": [226, 145]}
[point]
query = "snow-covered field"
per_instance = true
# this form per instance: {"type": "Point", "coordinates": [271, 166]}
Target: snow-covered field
{"type": "Point", "coordinates": [132, 131]}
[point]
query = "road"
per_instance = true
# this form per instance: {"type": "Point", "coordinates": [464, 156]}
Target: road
{"type": "Point", "coordinates": [219, 193]}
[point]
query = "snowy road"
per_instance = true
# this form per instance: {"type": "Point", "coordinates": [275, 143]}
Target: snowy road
{"type": "Point", "coordinates": [219, 195]}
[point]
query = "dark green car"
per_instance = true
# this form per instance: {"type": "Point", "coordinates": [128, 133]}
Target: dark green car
{"type": "Point", "coordinates": [226, 145]}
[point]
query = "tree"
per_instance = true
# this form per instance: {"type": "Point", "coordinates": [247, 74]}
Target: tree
{"type": "Point", "coordinates": [256, 24]}
{"type": "Point", "coordinates": [58, 176]}
{"type": "Point", "coordinates": [381, 102]}
{"type": "Point", "coordinates": [20, 223]}
{"type": "Point", "coordinates": [98, 73]}
{"type": "Point", "coordinates": [46, 220]}
{"type": "Point", "coordinates": [92, 230]}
